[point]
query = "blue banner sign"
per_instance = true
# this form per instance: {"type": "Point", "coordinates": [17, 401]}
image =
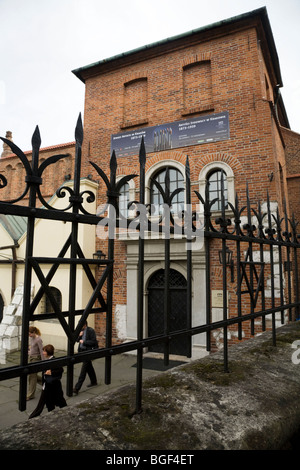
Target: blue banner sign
{"type": "Point", "coordinates": [195, 131]}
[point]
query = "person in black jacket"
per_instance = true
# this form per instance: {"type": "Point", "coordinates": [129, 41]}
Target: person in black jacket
{"type": "Point", "coordinates": [87, 340]}
{"type": "Point", "coordinates": [52, 393]}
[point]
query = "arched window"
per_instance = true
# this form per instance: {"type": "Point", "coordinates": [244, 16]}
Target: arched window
{"type": "Point", "coordinates": [127, 194]}
{"type": "Point", "coordinates": [212, 173]}
{"type": "Point", "coordinates": [217, 186]}
{"type": "Point", "coordinates": [46, 304]}
{"type": "Point", "coordinates": [124, 200]}
{"type": "Point", "coordinates": [176, 181]}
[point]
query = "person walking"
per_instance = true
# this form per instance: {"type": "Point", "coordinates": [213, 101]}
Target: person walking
{"type": "Point", "coordinates": [52, 393]}
{"type": "Point", "coordinates": [87, 340]}
{"type": "Point", "coordinates": [35, 354]}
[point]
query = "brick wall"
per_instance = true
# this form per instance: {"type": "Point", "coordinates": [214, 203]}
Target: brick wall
{"type": "Point", "coordinates": [292, 152]}
{"type": "Point", "coordinates": [234, 85]}
{"type": "Point", "coordinates": [53, 176]}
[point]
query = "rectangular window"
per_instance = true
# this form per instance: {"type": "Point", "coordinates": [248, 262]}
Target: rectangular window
{"type": "Point", "coordinates": [135, 102]}
{"type": "Point", "coordinates": [197, 87]}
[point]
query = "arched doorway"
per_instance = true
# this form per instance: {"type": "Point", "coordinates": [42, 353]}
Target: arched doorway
{"type": "Point", "coordinates": [178, 313]}
{"type": "Point", "coordinates": [46, 305]}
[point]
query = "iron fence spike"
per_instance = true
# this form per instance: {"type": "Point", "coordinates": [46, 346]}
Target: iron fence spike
{"type": "Point", "coordinates": [79, 131]}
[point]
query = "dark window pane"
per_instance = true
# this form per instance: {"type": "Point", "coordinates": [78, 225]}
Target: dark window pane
{"type": "Point", "coordinates": [124, 200]}
{"type": "Point", "coordinates": [176, 181]}
{"type": "Point", "coordinates": [217, 180]}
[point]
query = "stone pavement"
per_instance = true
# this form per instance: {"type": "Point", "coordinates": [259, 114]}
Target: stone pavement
{"type": "Point", "coordinates": [123, 372]}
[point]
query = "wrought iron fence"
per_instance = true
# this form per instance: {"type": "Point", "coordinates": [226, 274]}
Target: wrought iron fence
{"type": "Point", "coordinates": [248, 249]}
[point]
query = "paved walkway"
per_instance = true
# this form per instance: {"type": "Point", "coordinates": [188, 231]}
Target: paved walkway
{"type": "Point", "coordinates": [123, 372]}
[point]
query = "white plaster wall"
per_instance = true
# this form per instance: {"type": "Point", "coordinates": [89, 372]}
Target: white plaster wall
{"type": "Point", "coordinates": [50, 237]}
{"type": "Point", "coordinates": [5, 269]}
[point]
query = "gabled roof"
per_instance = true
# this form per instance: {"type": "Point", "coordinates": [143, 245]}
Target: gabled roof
{"type": "Point", "coordinates": [15, 225]}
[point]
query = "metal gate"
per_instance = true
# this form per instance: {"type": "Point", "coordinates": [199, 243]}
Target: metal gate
{"type": "Point", "coordinates": [252, 245]}
{"type": "Point", "coordinates": [156, 286]}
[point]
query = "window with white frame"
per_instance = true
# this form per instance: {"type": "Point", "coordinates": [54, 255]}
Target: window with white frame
{"type": "Point", "coordinates": [124, 200]}
{"type": "Point", "coordinates": [217, 187]}
{"type": "Point", "coordinates": [220, 177]}
{"type": "Point", "coordinates": [127, 194]}
{"type": "Point", "coordinates": [176, 181]}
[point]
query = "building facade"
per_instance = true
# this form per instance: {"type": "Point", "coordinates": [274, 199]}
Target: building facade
{"type": "Point", "coordinates": [211, 94]}
{"type": "Point", "coordinates": [226, 75]}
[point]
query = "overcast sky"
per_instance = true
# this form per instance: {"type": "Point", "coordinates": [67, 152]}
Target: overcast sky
{"type": "Point", "coordinates": [42, 41]}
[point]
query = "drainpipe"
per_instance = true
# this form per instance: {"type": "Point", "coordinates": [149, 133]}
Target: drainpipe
{"type": "Point", "coordinates": [13, 269]}
{"type": "Point", "coordinates": [13, 262]}
{"type": "Point", "coordinates": [277, 95]}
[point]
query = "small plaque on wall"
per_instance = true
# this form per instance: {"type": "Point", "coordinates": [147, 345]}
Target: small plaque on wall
{"type": "Point", "coordinates": [217, 298]}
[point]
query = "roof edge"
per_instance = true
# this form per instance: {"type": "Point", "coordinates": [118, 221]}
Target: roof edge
{"type": "Point", "coordinates": [260, 11]}
{"type": "Point", "coordinates": [43, 149]}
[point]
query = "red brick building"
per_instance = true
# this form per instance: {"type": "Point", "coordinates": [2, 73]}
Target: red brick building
{"type": "Point", "coordinates": [292, 155]}
{"type": "Point", "coordinates": [228, 69]}
{"type": "Point", "coordinates": [227, 75]}
{"type": "Point", "coordinates": [12, 168]}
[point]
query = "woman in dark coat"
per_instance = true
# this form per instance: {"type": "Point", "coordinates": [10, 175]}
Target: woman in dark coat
{"type": "Point", "coordinates": [52, 393]}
